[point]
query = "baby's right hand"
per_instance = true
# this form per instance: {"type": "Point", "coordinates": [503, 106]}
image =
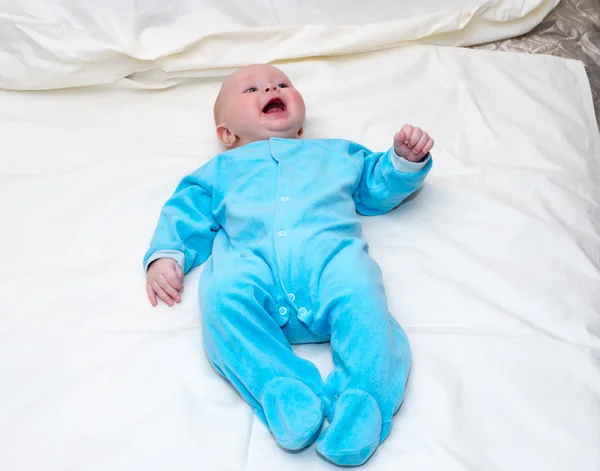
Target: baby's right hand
{"type": "Point", "coordinates": [164, 279]}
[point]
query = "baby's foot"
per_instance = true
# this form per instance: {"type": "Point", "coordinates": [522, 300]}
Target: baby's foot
{"type": "Point", "coordinates": [293, 411]}
{"type": "Point", "coordinates": [354, 432]}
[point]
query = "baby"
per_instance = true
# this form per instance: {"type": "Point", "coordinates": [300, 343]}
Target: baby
{"type": "Point", "coordinates": [275, 219]}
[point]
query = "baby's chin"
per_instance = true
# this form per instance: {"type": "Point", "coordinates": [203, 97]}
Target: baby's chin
{"type": "Point", "coordinates": [275, 129]}
{"type": "Point", "coordinates": [289, 134]}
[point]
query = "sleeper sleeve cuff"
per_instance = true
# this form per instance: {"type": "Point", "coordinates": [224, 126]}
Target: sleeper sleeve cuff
{"type": "Point", "coordinates": [405, 166]}
{"type": "Point", "coordinates": [176, 255]}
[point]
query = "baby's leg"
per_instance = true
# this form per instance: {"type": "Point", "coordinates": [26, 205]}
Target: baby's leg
{"type": "Point", "coordinates": [372, 361]}
{"type": "Point", "coordinates": [246, 345]}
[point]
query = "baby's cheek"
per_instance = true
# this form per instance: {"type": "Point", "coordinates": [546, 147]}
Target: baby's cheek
{"type": "Point", "coordinates": [245, 115]}
{"type": "Point", "coordinates": [299, 105]}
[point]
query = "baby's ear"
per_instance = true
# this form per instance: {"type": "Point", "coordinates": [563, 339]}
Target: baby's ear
{"type": "Point", "coordinates": [226, 137]}
{"type": "Point", "coordinates": [300, 132]}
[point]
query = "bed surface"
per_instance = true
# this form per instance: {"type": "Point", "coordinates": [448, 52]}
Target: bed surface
{"type": "Point", "coordinates": [572, 31]}
{"type": "Point", "coordinates": [492, 269]}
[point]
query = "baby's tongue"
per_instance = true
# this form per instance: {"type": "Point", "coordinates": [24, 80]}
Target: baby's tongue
{"type": "Point", "coordinates": [274, 109]}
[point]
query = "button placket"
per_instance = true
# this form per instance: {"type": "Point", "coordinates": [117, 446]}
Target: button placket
{"type": "Point", "coordinates": [281, 188]}
{"type": "Point", "coordinates": [281, 223]}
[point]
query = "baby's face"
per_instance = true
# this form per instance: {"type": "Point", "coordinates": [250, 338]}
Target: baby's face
{"type": "Point", "coordinates": [256, 103]}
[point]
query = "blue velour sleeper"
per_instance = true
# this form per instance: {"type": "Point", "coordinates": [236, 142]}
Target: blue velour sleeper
{"type": "Point", "coordinates": [276, 223]}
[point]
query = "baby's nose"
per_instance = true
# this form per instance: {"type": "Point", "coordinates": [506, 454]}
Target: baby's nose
{"type": "Point", "coordinates": [270, 88]}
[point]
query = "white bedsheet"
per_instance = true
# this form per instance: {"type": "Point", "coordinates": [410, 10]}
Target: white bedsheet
{"type": "Point", "coordinates": [47, 44]}
{"type": "Point", "coordinates": [493, 270]}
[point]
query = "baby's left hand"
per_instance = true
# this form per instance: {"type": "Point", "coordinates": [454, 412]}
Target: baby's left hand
{"type": "Point", "coordinates": [412, 143]}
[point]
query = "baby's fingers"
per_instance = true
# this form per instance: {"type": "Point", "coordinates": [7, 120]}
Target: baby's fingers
{"type": "Point", "coordinates": [406, 133]}
{"type": "Point", "coordinates": [179, 272]}
{"type": "Point", "coordinates": [420, 146]}
{"type": "Point", "coordinates": [151, 294]}
{"type": "Point", "coordinates": [415, 137]}
{"type": "Point", "coordinates": [168, 288]}
{"type": "Point", "coordinates": [162, 294]}
{"type": "Point", "coordinates": [428, 147]}
{"type": "Point", "coordinates": [173, 280]}
{"type": "Point", "coordinates": [399, 138]}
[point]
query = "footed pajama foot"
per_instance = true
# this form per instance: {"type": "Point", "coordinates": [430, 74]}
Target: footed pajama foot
{"type": "Point", "coordinates": [293, 411]}
{"type": "Point", "coordinates": [354, 432]}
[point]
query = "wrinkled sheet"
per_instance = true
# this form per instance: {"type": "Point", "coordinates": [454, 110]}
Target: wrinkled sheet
{"type": "Point", "coordinates": [67, 43]}
{"type": "Point", "coordinates": [493, 269]}
{"type": "Point", "coordinates": [572, 31]}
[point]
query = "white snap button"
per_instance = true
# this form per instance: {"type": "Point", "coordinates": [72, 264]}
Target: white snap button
{"type": "Point", "coordinates": [291, 296]}
{"type": "Point", "coordinates": [282, 233]}
{"type": "Point", "coordinates": [284, 198]}
{"type": "Point", "coordinates": [301, 311]}
{"type": "Point", "coordinates": [282, 310]}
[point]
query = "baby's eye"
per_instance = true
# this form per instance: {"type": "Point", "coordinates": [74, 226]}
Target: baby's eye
{"type": "Point", "coordinates": [251, 90]}
{"type": "Point", "coordinates": [283, 85]}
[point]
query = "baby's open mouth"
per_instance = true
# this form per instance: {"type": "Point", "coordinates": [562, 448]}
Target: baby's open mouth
{"type": "Point", "coordinates": [274, 105]}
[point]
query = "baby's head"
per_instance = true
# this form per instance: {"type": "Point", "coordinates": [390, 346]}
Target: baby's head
{"type": "Point", "coordinates": [256, 103]}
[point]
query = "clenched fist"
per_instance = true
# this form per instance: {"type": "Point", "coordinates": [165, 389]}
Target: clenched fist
{"type": "Point", "coordinates": [165, 280]}
{"type": "Point", "coordinates": [412, 143]}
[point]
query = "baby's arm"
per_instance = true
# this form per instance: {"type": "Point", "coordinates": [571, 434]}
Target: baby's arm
{"type": "Point", "coordinates": [183, 238]}
{"type": "Point", "coordinates": [388, 178]}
